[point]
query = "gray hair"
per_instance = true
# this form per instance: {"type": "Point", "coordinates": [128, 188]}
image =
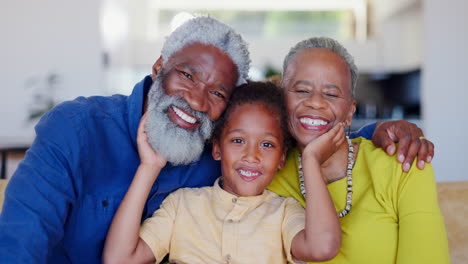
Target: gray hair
{"type": "Point", "coordinates": [209, 31]}
{"type": "Point", "coordinates": [327, 43]}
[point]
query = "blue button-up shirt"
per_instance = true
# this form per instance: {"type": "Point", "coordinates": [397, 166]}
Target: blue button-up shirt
{"type": "Point", "coordinates": [61, 200]}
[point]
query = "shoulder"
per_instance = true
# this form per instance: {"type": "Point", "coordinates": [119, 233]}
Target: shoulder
{"type": "Point", "coordinates": [77, 115]}
{"type": "Point", "coordinates": [94, 106]}
{"type": "Point", "coordinates": [385, 171]}
{"type": "Point", "coordinates": [82, 108]}
{"type": "Point", "coordinates": [279, 201]}
{"type": "Point", "coordinates": [193, 193]}
{"type": "Point", "coordinates": [373, 159]}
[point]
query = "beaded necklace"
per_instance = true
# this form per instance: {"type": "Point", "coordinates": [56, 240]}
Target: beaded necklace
{"type": "Point", "coordinates": [349, 176]}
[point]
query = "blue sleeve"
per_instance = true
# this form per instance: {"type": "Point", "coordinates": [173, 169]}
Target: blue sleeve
{"type": "Point", "coordinates": [39, 193]}
{"type": "Point", "coordinates": [366, 131]}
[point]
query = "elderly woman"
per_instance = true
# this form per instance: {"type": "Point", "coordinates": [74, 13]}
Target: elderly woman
{"type": "Point", "coordinates": [387, 215]}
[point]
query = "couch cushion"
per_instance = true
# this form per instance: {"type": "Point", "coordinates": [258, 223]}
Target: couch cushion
{"type": "Point", "coordinates": [453, 201]}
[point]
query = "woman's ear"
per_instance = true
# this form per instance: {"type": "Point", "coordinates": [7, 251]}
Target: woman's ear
{"type": "Point", "coordinates": [216, 151]}
{"type": "Point", "coordinates": [349, 117]}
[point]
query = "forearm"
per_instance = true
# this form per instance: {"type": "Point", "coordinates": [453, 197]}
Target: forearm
{"type": "Point", "coordinates": [321, 237]}
{"type": "Point", "coordinates": [366, 131]}
{"type": "Point", "coordinates": [123, 236]}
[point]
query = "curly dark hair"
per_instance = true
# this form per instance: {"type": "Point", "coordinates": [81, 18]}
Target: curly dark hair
{"type": "Point", "coordinates": [265, 93]}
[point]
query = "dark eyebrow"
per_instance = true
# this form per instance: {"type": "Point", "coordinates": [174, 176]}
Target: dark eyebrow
{"type": "Point", "coordinates": [242, 131]}
{"type": "Point", "coordinates": [221, 87]}
{"type": "Point", "coordinates": [190, 68]}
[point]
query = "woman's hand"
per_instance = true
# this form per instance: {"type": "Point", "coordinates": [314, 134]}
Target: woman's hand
{"type": "Point", "coordinates": [148, 157]}
{"type": "Point", "coordinates": [325, 145]}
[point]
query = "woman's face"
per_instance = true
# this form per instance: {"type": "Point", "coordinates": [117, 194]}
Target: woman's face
{"type": "Point", "coordinates": [318, 93]}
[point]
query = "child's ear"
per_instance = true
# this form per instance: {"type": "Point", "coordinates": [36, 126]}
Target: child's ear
{"type": "Point", "coordinates": [216, 152]}
{"type": "Point", "coordinates": [282, 161]}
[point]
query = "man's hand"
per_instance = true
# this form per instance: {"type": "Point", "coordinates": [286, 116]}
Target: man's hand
{"type": "Point", "coordinates": [147, 155]}
{"type": "Point", "coordinates": [411, 142]}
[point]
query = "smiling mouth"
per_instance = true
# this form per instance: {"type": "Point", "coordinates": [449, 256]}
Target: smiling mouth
{"type": "Point", "coordinates": [248, 175]}
{"type": "Point", "coordinates": [184, 116]}
{"type": "Point", "coordinates": [313, 122]}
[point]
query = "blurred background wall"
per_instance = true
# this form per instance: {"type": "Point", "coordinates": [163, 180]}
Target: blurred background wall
{"type": "Point", "coordinates": [411, 55]}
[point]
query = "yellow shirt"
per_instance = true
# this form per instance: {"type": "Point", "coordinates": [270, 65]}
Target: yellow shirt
{"type": "Point", "coordinates": [395, 216]}
{"type": "Point", "coordinates": [210, 225]}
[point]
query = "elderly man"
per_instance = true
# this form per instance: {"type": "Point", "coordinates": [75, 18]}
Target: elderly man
{"type": "Point", "coordinates": [61, 200]}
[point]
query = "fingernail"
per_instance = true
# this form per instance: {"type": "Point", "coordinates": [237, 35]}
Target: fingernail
{"type": "Point", "coordinates": [421, 164]}
{"type": "Point", "coordinates": [406, 167]}
{"type": "Point", "coordinates": [391, 149]}
{"type": "Point", "coordinates": [401, 158]}
{"type": "Point", "coordinates": [428, 159]}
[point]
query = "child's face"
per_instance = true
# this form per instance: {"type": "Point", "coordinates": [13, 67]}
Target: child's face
{"type": "Point", "coordinates": [250, 149]}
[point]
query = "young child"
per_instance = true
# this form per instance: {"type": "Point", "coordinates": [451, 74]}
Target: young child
{"type": "Point", "coordinates": [236, 220]}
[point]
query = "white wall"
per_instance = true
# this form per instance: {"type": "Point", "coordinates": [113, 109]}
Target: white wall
{"type": "Point", "coordinates": [42, 37]}
{"type": "Point", "coordinates": [445, 85]}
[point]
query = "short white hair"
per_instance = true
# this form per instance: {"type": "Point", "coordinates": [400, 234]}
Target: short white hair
{"type": "Point", "coordinates": [209, 31]}
{"type": "Point", "coordinates": [327, 43]}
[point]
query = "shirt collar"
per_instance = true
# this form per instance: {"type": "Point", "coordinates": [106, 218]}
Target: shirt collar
{"type": "Point", "coordinates": [228, 199]}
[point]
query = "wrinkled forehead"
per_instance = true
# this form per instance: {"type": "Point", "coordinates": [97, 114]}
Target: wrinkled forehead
{"type": "Point", "coordinates": [197, 49]}
{"type": "Point", "coordinates": [209, 55]}
{"type": "Point", "coordinates": [207, 62]}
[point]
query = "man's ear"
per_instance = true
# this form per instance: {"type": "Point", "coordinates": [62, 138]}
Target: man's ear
{"type": "Point", "coordinates": [282, 161]}
{"type": "Point", "coordinates": [216, 152]}
{"type": "Point", "coordinates": [157, 66]}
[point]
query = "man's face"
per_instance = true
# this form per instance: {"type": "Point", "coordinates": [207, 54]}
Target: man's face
{"type": "Point", "coordinates": [189, 93]}
{"type": "Point", "coordinates": [205, 77]}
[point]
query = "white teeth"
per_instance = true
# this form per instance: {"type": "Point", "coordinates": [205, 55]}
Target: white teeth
{"type": "Point", "coordinates": [184, 116]}
{"type": "Point", "coordinates": [313, 122]}
{"type": "Point", "coordinates": [248, 173]}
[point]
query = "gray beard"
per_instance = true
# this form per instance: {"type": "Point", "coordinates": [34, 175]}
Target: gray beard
{"type": "Point", "coordinates": [178, 145]}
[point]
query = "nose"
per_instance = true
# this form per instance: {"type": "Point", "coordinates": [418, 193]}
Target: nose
{"type": "Point", "coordinates": [252, 153]}
{"type": "Point", "coordinates": [197, 99]}
{"type": "Point", "coordinates": [315, 100]}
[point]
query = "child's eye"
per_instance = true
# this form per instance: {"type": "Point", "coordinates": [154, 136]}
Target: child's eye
{"type": "Point", "coordinates": [237, 140]}
{"type": "Point", "coordinates": [267, 145]}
